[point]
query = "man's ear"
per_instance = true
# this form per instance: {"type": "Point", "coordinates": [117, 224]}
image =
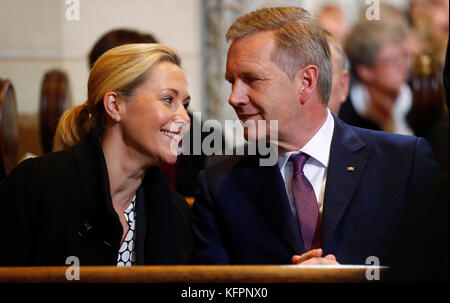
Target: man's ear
{"type": "Point", "coordinates": [111, 105]}
{"type": "Point", "coordinates": [307, 79]}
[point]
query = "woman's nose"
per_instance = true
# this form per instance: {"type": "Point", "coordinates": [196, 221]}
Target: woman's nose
{"type": "Point", "coordinates": [183, 115]}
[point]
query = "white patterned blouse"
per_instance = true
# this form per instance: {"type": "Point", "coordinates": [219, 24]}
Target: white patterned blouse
{"type": "Point", "coordinates": [127, 254]}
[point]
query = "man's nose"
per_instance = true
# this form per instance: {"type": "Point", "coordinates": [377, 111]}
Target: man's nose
{"type": "Point", "coordinates": [238, 96]}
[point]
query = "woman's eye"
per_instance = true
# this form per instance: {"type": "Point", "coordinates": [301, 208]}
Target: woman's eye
{"type": "Point", "coordinates": [186, 105]}
{"type": "Point", "coordinates": [168, 99]}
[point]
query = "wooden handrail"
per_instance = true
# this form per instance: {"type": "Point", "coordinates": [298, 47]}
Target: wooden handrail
{"type": "Point", "coordinates": [190, 274]}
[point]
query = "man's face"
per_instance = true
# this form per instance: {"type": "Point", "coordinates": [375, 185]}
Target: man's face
{"type": "Point", "coordinates": [260, 89]}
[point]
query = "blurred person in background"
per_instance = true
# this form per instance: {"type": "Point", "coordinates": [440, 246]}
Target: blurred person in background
{"type": "Point", "coordinates": [341, 77]}
{"type": "Point", "coordinates": [117, 37]}
{"type": "Point", "coordinates": [331, 17]}
{"type": "Point", "coordinates": [379, 97]}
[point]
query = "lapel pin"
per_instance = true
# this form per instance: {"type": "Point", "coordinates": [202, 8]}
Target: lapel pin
{"type": "Point", "coordinates": [350, 168]}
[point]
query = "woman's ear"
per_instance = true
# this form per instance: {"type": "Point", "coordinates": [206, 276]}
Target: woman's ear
{"type": "Point", "coordinates": [111, 105]}
{"type": "Point", "coordinates": [307, 79]}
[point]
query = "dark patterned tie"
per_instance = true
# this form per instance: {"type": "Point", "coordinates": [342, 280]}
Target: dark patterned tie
{"type": "Point", "coordinates": [305, 203]}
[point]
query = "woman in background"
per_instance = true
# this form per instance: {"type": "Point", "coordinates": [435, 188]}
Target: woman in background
{"type": "Point", "coordinates": [379, 97]}
{"type": "Point", "coordinates": [103, 199]}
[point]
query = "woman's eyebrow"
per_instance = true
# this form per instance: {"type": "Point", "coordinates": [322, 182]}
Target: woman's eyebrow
{"type": "Point", "coordinates": [172, 90]}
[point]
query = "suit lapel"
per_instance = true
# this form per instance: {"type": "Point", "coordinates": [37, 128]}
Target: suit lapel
{"type": "Point", "coordinates": [345, 168]}
{"type": "Point", "coordinates": [268, 186]}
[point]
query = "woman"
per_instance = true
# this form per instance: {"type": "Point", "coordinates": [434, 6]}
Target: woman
{"type": "Point", "coordinates": [103, 199]}
{"type": "Point", "coordinates": [379, 97]}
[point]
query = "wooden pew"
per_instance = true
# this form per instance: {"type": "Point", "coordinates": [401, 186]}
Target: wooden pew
{"type": "Point", "coordinates": [8, 128]}
{"type": "Point", "coordinates": [192, 274]}
{"type": "Point", "coordinates": [54, 102]}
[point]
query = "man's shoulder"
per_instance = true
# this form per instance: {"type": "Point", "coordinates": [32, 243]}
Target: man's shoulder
{"type": "Point", "coordinates": [372, 136]}
{"type": "Point", "coordinates": [380, 139]}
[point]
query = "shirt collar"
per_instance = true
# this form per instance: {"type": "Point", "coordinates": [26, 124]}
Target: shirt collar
{"type": "Point", "coordinates": [318, 147]}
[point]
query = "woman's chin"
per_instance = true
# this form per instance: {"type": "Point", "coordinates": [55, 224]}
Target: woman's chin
{"type": "Point", "coordinates": [169, 159]}
{"type": "Point", "coordinates": [166, 154]}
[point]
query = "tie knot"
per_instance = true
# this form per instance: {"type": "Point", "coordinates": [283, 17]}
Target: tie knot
{"type": "Point", "coordinates": [299, 160]}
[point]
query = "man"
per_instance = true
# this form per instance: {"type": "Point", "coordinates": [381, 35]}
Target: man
{"type": "Point", "coordinates": [344, 203]}
{"type": "Point", "coordinates": [341, 78]}
{"type": "Point", "coordinates": [332, 18]}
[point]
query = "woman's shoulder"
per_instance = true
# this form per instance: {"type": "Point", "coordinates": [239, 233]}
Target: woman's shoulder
{"type": "Point", "coordinates": [60, 160]}
{"type": "Point", "coordinates": [52, 162]}
{"type": "Point", "coordinates": [34, 176]}
{"type": "Point", "coordinates": [50, 167]}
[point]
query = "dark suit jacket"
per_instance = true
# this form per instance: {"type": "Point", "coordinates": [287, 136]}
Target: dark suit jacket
{"type": "Point", "coordinates": [241, 213]}
{"type": "Point", "coordinates": [59, 205]}
{"type": "Point", "coordinates": [348, 114]}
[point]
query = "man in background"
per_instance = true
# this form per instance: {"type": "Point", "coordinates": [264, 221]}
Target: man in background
{"type": "Point", "coordinates": [341, 77]}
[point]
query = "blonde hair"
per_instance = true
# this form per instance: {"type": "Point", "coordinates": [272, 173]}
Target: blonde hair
{"type": "Point", "coordinates": [121, 69]}
{"type": "Point", "coordinates": [299, 38]}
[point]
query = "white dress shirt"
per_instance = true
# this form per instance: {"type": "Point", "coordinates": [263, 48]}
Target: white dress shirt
{"type": "Point", "coordinates": [315, 169]}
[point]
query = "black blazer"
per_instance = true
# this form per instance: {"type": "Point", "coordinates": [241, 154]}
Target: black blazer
{"type": "Point", "coordinates": [59, 205]}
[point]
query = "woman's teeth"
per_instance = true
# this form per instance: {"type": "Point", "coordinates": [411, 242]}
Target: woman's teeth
{"type": "Point", "coordinates": [172, 135]}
